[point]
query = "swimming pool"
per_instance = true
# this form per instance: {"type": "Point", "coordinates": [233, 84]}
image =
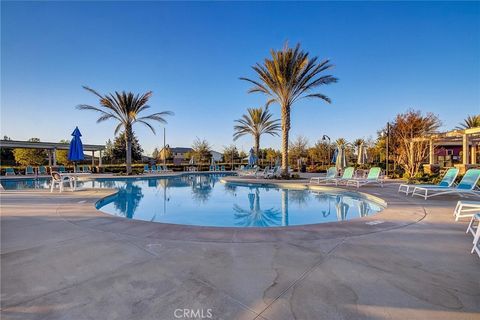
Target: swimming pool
{"type": "Point", "coordinates": [202, 200]}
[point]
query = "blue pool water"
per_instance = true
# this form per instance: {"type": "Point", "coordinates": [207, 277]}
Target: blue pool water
{"type": "Point", "coordinates": [201, 199]}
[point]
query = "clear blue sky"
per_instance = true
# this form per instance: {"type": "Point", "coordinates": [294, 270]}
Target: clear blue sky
{"type": "Point", "coordinates": [389, 57]}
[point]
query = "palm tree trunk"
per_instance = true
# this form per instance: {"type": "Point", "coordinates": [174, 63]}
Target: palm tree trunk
{"type": "Point", "coordinates": [257, 147]}
{"type": "Point", "coordinates": [128, 138]}
{"type": "Point", "coordinates": [285, 130]}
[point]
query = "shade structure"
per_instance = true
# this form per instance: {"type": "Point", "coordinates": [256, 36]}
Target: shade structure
{"type": "Point", "coordinates": [362, 154]}
{"type": "Point", "coordinates": [340, 159]}
{"type": "Point", "coordinates": [75, 153]}
{"type": "Point", "coordinates": [251, 157]}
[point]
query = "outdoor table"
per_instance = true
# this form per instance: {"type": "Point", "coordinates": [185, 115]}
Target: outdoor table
{"type": "Point", "coordinates": [73, 176]}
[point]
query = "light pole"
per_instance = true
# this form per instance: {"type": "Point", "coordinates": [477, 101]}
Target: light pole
{"type": "Point", "coordinates": [164, 150]}
{"type": "Point", "coordinates": [325, 138]}
{"type": "Point", "coordinates": [386, 134]}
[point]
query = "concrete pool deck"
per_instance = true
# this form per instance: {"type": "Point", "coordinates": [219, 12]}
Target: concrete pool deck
{"type": "Point", "coordinates": [62, 259]}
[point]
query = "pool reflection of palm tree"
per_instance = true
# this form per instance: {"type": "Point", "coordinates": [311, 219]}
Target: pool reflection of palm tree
{"type": "Point", "coordinates": [325, 198]}
{"type": "Point", "coordinates": [299, 196]}
{"type": "Point", "coordinates": [128, 199]}
{"type": "Point", "coordinates": [363, 208]}
{"type": "Point", "coordinates": [254, 216]}
{"type": "Point", "coordinates": [201, 188]}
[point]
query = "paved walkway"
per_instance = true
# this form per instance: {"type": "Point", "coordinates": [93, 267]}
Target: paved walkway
{"type": "Point", "coordinates": [62, 259]}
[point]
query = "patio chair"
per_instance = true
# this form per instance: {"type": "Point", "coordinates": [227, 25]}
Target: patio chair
{"type": "Point", "coordinates": [146, 169]}
{"type": "Point", "coordinates": [474, 229]}
{"type": "Point", "coordinates": [9, 172]}
{"type": "Point", "coordinates": [165, 169]}
{"type": "Point", "coordinates": [29, 171]}
{"type": "Point", "coordinates": [222, 168]}
{"type": "Point", "coordinates": [42, 170]}
{"type": "Point", "coordinates": [466, 186]}
{"type": "Point", "coordinates": [211, 168]}
{"type": "Point", "coordinates": [372, 177]}
{"type": "Point", "coordinates": [447, 181]}
{"type": "Point", "coordinates": [57, 179]}
{"type": "Point", "coordinates": [61, 169]}
{"type": "Point", "coordinates": [331, 174]}
{"type": "Point", "coordinates": [466, 209]}
{"type": "Point", "coordinates": [80, 168]}
{"type": "Point", "coordinates": [274, 173]}
{"type": "Point", "coordinates": [217, 168]}
{"type": "Point", "coordinates": [86, 169]}
{"type": "Point", "coordinates": [153, 169]}
{"type": "Point", "coordinates": [347, 175]}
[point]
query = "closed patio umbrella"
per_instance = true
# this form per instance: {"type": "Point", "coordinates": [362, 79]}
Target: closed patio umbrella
{"type": "Point", "coordinates": [75, 152]}
{"type": "Point", "coordinates": [341, 160]}
{"type": "Point", "coordinates": [362, 154]}
{"type": "Point", "coordinates": [251, 157]}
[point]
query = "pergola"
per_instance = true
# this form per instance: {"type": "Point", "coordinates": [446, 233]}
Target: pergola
{"type": "Point", "coordinates": [51, 147]}
{"type": "Point", "coordinates": [468, 139]}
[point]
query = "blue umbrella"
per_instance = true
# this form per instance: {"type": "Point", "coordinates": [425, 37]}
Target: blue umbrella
{"type": "Point", "coordinates": [75, 153]}
{"type": "Point", "coordinates": [251, 157]}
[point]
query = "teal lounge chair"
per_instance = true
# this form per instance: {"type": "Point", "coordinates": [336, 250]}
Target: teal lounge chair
{"type": "Point", "coordinates": [217, 168]}
{"type": "Point", "coordinates": [9, 172]}
{"type": "Point", "coordinates": [448, 180]}
{"type": "Point", "coordinates": [146, 169]}
{"type": "Point", "coordinates": [80, 168]}
{"type": "Point", "coordinates": [331, 174]}
{"type": "Point", "coordinates": [372, 177]}
{"type": "Point", "coordinates": [222, 168]}
{"type": "Point", "coordinates": [86, 169]}
{"type": "Point", "coordinates": [153, 169]}
{"type": "Point", "coordinates": [467, 186]}
{"type": "Point", "coordinates": [29, 171]}
{"type": "Point", "coordinates": [347, 175]}
{"type": "Point", "coordinates": [211, 168]}
{"type": "Point", "coordinates": [61, 169]}
{"type": "Point", "coordinates": [42, 170]}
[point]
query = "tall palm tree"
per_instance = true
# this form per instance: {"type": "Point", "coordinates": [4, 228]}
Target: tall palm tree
{"type": "Point", "coordinates": [256, 122]}
{"type": "Point", "coordinates": [470, 122]}
{"type": "Point", "coordinates": [125, 108]}
{"type": "Point", "coordinates": [288, 76]}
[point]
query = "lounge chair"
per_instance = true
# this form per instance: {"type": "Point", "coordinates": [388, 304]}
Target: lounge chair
{"type": "Point", "coordinates": [211, 168]}
{"type": "Point", "coordinates": [61, 169]}
{"type": "Point", "coordinates": [467, 186]}
{"type": "Point", "coordinates": [217, 168]}
{"type": "Point", "coordinates": [347, 175]}
{"type": "Point", "coordinates": [57, 179]}
{"type": "Point", "coordinates": [372, 177]}
{"type": "Point", "coordinates": [86, 169]}
{"type": "Point", "coordinates": [466, 209]}
{"type": "Point", "coordinates": [447, 181]}
{"type": "Point", "coordinates": [262, 174]}
{"type": "Point", "coordinates": [153, 169]}
{"type": "Point", "coordinates": [146, 169]}
{"type": "Point", "coordinates": [80, 168]}
{"type": "Point", "coordinates": [222, 168]}
{"type": "Point", "coordinates": [9, 172]}
{"type": "Point", "coordinates": [274, 173]}
{"type": "Point", "coordinates": [475, 231]}
{"type": "Point", "coordinates": [42, 170]}
{"type": "Point", "coordinates": [331, 174]}
{"type": "Point", "coordinates": [29, 171]}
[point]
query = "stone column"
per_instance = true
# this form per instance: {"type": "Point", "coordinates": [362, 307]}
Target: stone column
{"type": "Point", "coordinates": [465, 149]}
{"type": "Point", "coordinates": [473, 154]}
{"type": "Point", "coordinates": [93, 159]}
{"type": "Point", "coordinates": [100, 159]}
{"type": "Point", "coordinates": [49, 152]}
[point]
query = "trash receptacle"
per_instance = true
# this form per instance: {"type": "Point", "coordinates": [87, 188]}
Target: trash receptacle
{"type": "Point", "coordinates": [303, 169]}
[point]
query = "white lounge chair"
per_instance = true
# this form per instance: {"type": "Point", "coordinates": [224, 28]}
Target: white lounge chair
{"type": "Point", "coordinates": [331, 174]}
{"type": "Point", "coordinates": [467, 186]}
{"type": "Point", "coordinates": [57, 179]}
{"type": "Point", "coordinates": [372, 177]}
{"type": "Point", "coordinates": [274, 173]}
{"type": "Point", "coordinates": [474, 229]}
{"type": "Point", "coordinates": [466, 209]}
{"type": "Point", "coordinates": [448, 180]}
